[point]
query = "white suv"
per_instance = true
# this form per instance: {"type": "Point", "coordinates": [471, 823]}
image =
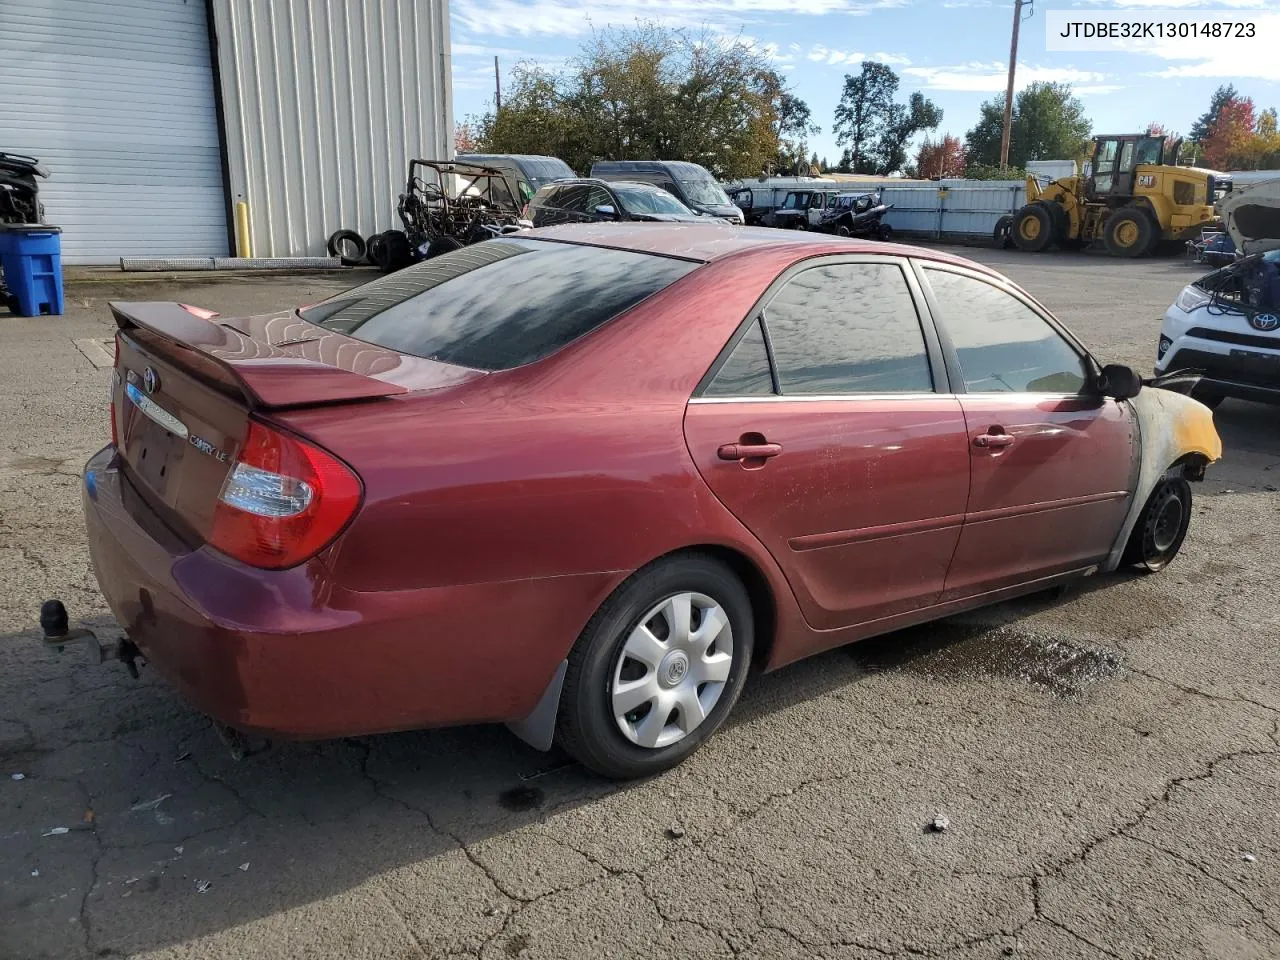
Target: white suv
{"type": "Point", "coordinates": [1227, 323]}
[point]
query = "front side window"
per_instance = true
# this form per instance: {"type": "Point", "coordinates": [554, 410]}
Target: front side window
{"type": "Point", "coordinates": [572, 198]}
{"type": "Point", "coordinates": [848, 328]}
{"type": "Point", "coordinates": [498, 304]}
{"type": "Point", "coordinates": [1002, 344]}
{"type": "Point", "coordinates": [598, 197]}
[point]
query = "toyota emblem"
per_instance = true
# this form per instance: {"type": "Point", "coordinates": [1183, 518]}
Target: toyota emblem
{"type": "Point", "coordinates": [1265, 322]}
{"type": "Point", "coordinates": [150, 380]}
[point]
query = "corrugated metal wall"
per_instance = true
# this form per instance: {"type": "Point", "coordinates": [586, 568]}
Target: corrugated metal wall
{"type": "Point", "coordinates": [966, 208]}
{"type": "Point", "coordinates": [325, 102]}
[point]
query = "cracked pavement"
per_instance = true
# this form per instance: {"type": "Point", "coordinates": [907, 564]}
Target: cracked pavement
{"type": "Point", "coordinates": [1106, 756]}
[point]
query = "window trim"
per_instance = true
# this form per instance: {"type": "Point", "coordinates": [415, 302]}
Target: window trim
{"type": "Point", "coordinates": [1006, 286]}
{"type": "Point", "coordinates": [939, 372]}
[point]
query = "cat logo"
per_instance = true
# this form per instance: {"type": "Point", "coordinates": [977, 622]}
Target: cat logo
{"type": "Point", "coordinates": [1147, 180]}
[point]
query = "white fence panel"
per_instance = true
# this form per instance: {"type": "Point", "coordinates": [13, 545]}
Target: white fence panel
{"type": "Point", "coordinates": [961, 208]}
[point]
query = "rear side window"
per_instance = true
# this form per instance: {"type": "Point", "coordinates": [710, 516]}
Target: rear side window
{"type": "Point", "coordinates": [497, 304]}
{"type": "Point", "coordinates": [1002, 344]}
{"type": "Point", "coordinates": [746, 372]}
{"type": "Point", "coordinates": [848, 328]}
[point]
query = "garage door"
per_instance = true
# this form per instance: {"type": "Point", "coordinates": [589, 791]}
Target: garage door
{"type": "Point", "coordinates": [117, 101]}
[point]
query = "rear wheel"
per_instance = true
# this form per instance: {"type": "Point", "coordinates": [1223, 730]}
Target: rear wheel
{"type": "Point", "coordinates": [884, 232]}
{"type": "Point", "coordinates": [1033, 228]}
{"type": "Point", "coordinates": [657, 669]}
{"type": "Point", "coordinates": [1162, 527]}
{"type": "Point", "coordinates": [1130, 232]}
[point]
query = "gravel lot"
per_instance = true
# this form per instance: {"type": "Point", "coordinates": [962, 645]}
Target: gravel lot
{"type": "Point", "coordinates": [1106, 759]}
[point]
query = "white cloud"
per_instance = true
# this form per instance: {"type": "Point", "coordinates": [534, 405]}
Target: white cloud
{"type": "Point", "coordinates": [993, 77]}
{"type": "Point", "coordinates": [507, 18]}
{"type": "Point", "coordinates": [836, 58]}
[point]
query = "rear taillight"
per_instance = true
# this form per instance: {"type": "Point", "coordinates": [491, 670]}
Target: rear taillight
{"type": "Point", "coordinates": [283, 501]}
{"type": "Point", "coordinates": [115, 382]}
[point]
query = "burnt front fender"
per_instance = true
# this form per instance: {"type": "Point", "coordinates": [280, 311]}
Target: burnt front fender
{"type": "Point", "coordinates": [1171, 427]}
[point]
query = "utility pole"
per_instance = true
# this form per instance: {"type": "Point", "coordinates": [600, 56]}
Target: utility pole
{"type": "Point", "coordinates": [497, 84]}
{"type": "Point", "coordinates": [1008, 95]}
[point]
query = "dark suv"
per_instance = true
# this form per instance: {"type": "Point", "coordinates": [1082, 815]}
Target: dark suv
{"type": "Point", "coordinates": [588, 200]}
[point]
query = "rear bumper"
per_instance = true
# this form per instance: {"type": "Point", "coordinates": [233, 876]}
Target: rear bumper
{"type": "Point", "coordinates": [290, 653]}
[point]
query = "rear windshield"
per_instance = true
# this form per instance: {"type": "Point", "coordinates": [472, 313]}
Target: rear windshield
{"type": "Point", "coordinates": [498, 304]}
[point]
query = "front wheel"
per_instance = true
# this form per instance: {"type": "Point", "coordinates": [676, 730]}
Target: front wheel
{"type": "Point", "coordinates": [657, 669]}
{"type": "Point", "coordinates": [1162, 527]}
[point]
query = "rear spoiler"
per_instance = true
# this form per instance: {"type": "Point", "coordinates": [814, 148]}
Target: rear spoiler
{"type": "Point", "coordinates": [266, 376]}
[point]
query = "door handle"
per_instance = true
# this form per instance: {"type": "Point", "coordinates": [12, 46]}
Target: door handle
{"type": "Point", "coordinates": [748, 451]}
{"type": "Point", "coordinates": [988, 440]}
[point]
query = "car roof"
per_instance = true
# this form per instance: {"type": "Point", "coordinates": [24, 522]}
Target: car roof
{"type": "Point", "coordinates": [597, 181]}
{"type": "Point", "coordinates": [708, 242]}
{"type": "Point", "coordinates": [683, 169]}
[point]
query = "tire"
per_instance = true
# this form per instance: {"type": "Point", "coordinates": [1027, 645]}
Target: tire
{"type": "Point", "coordinates": [1033, 228]}
{"type": "Point", "coordinates": [339, 240]}
{"type": "Point", "coordinates": [1129, 232]}
{"type": "Point", "coordinates": [394, 252]}
{"type": "Point", "coordinates": [884, 232]}
{"type": "Point", "coordinates": [372, 246]}
{"type": "Point", "coordinates": [590, 729]}
{"type": "Point", "coordinates": [1161, 528]}
{"type": "Point", "coordinates": [1061, 222]}
{"type": "Point", "coordinates": [1002, 235]}
{"type": "Point", "coordinates": [443, 245]}
{"type": "Point", "coordinates": [843, 231]}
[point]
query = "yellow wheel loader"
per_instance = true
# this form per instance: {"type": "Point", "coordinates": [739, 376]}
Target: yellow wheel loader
{"type": "Point", "coordinates": [1130, 201]}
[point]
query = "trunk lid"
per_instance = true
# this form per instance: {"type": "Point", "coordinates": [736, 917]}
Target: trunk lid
{"type": "Point", "coordinates": [186, 385]}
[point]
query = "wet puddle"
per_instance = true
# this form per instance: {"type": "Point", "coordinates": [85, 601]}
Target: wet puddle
{"type": "Point", "coordinates": [520, 799]}
{"type": "Point", "coordinates": [952, 651]}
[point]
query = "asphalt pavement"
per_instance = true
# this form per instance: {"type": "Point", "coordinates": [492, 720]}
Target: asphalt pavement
{"type": "Point", "coordinates": [1085, 774]}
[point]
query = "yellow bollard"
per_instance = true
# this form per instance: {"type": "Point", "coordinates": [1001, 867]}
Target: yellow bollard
{"type": "Point", "coordinates": [244, 239]}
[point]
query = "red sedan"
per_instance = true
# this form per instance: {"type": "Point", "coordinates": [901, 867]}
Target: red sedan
{"type": "Point", "coordinates": [581, 480]}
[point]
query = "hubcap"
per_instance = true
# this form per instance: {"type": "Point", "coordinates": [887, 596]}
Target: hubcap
{"type": "Point", "coordinates": [1127, 233]}
{"type": "Point", "coordinates": [1030, 228]}
{"type": "Point", "coordinates": [1167, 523]}
{"type": "Point", "coordinates": [672, 670]}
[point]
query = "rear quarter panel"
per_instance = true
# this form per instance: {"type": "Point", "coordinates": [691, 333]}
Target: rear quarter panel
{"type": "Point", "coordinates": [575, 466]}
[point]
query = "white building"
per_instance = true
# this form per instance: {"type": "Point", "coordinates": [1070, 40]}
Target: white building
{"type": "Point", "coordinates": [155, 117]}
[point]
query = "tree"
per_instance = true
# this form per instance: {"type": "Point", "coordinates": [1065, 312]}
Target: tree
{"type": "Point", "coordinates": [942, 159]}
{"type": "Point", "coordinates": [1202, 127]}
{"type": "Point", "coordinates": [1227, 143]}
{"type": "Point", "coordinates": [1266, 126]}
{"type": "Point", "coordinates": [904, 123]}
{"type": "Point", "coordinates": [1048, 124]}
{"type": "Point", "coordinates": [464, 138]}
{"type": "Point", "coordinates": [862, 115]}
{"type": "Point", "coordinates": [654, 93]}
{"type": "Point", "coordinates": [872, 126]}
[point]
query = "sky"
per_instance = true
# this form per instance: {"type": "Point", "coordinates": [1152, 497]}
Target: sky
{"type": "Point", "coordinates": [955, 51]}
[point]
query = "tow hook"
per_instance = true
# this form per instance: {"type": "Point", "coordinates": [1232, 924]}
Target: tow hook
{"type": "Point", "coordinates": [54, 625]}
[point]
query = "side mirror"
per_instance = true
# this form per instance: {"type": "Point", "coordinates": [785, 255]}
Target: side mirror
{"type": "Point", "coordinates": [607, 211]}
{"type": "Point", "coordinates": [1118, 382]}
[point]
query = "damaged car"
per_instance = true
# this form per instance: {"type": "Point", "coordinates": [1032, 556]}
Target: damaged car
{"type": "Point", "coordinates": [586, 480]}
{"type": "Point", "coordinates": [1226, 325]}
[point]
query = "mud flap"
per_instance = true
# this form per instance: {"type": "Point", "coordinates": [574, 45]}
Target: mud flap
{"type": "Point", "coordinates": [538, 729]}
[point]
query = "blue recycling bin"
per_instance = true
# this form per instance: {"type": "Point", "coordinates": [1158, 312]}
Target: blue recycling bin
{"type": "Point", "coordinates": [31, 255]}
